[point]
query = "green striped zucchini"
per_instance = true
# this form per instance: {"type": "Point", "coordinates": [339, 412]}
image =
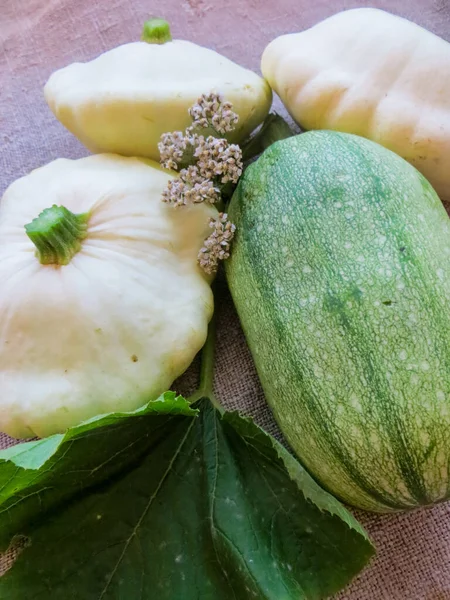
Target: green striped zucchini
{"type": "Point", "coordinates": [340, 272]}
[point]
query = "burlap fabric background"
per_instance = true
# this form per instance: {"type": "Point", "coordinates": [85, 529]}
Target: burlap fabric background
{"type": "Point", "coordinates": [38, 36]}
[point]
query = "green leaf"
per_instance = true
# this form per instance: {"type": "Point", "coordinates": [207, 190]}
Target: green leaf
{"type": "Point", "coordinates": [272, 130]}
{"type": "Point", "coordinates": [37, 476]}
{"type": "Point", "coordinates": [163, 505]}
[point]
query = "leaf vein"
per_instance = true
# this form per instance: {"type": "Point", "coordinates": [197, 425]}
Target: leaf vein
{"type": "Point", "coordinates": [146, 509]}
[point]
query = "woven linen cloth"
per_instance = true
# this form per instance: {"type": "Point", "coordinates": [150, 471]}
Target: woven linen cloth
{"type": "Point", "coordinates": [39, 36]}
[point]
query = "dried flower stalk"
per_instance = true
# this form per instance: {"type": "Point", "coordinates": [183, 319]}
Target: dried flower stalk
{"type": "Point", "coordinates": [216, 164]}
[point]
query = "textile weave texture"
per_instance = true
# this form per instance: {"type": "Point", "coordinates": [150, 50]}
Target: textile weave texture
{"type": "Point", "coordinates": [39, 36]}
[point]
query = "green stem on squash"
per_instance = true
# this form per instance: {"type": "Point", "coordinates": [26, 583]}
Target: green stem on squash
{"type": "Point", "coordinates": [156, 31]}
{"type": "Point", "coordinates": [272, 130]}
{"type": "Point", "coordinates": [206, 387]}
{"type": "Point", "coordinates": [57, 234]}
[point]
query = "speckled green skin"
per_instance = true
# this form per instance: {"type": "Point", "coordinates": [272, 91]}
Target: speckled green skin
{"type": "Point", "coordinates": [340, 272]}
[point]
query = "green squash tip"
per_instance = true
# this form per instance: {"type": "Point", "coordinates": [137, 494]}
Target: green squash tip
{"type": "Point", "coordinates": [57, 234]}
{"type": "Point", "coordinates": [156, 31]}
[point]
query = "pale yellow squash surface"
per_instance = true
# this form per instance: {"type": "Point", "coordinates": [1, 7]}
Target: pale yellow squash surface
{"type": "Point", "coordinates": [112, 329]}
{"type": "Point", "coordinates": [125, 99]}
{"type": "Point", "coordinates": [368, 72]}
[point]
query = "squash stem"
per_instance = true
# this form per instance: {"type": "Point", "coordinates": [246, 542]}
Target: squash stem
{"type": "Point", "coordinates": [156, 31]}
{"type": "Point", "coordinates": [57, 234]}
{"type": "Point", "coordinates": [206, 387]}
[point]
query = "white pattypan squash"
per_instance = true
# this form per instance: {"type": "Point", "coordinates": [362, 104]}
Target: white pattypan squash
{"type": "Point", "coordinates": [124, 100]}
{"type": "Point", "coordinates": [367, 72]}
{"type": "Point", "coordinates": [102, 303]}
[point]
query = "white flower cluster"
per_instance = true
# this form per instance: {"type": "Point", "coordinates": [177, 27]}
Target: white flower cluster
{"type": "Point", "coordinates": [216, 164]}
{"type": "Point", "coordinates": [217, 246]}
{"type": "Point", "coordinates": [212, 111]}
{"type": "Point", "coordinates": [172, 148]}
{"type": "Point", "coordinates": [217, 158]}
{"type": "Point", "coordinates": [190, 188]}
